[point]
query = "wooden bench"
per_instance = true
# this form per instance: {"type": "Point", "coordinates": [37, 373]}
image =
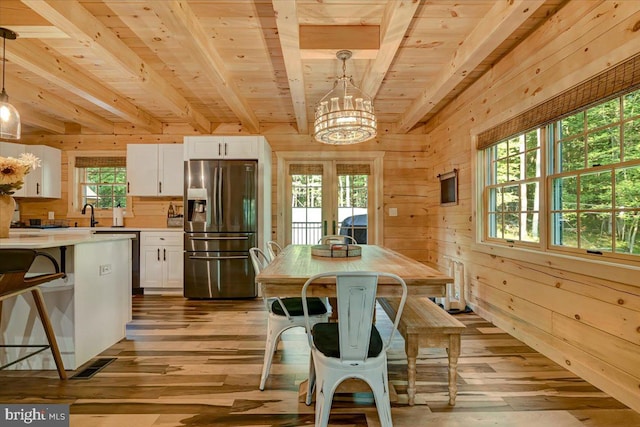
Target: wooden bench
{"type": "Point", "coordinates": [423, 325]}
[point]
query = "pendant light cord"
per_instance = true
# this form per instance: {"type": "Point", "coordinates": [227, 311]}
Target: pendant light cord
{"type": "Point", "coordinates": [4, 58]}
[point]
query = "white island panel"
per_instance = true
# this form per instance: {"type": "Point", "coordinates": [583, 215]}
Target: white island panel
{"type": "Point", "coordinates": [89, 309]}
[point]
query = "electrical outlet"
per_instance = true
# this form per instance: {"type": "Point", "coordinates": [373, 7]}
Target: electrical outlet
{"type": "Point", "coordinates": [393, 211]}
{"type": "Point", "coordinates": [105, 269]}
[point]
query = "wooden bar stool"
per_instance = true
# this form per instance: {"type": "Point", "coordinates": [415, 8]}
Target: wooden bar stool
{"type": "Point", "coordinates": [14, 264]}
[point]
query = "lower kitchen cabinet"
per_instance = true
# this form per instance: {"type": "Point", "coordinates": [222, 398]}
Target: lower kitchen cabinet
{"type": "Point", "coordinates": [161, 260]}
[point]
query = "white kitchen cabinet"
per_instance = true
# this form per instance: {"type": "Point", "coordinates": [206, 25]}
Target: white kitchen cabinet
{"type": "Point", "coordinates": [223, 147]}
{"type": "Point", "coordinates": [44, 181]}
{"type": "Point", "coordinates": [161, 259]}
{"type": "Point", "coordinates": [155, 169]}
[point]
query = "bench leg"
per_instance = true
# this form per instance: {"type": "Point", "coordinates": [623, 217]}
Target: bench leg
{"type": "Point", "coordinates": [411, 348]}
{"type": "Point", "coordinates": [453, 352]}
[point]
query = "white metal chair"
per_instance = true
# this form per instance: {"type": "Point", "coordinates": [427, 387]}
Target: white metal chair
{"type": "Point", "coordinates": [337, 239]}
{"type": "Point", "coordinates": [284, 313]}
{"type": "Point", "coordinates": [352, 347]}
{"type": "Point", "coordinates": [273, 248]}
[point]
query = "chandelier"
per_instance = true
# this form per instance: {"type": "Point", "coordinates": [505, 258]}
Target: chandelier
{"type": "Point", "coordinates": [345, 114]}
{"type": "Point", "coordinates": [9, 116]}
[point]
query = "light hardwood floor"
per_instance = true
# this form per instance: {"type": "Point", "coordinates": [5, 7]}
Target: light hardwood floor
{"type": "Point", "coordinates": [197, 363]}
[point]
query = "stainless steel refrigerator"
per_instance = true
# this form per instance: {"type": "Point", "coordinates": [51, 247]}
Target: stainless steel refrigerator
{"type": "Point", "coordinates": [221, 221]}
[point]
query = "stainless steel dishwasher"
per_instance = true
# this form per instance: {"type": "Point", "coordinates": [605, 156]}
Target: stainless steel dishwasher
{"type": "Point", "coordinates": [135, 257]}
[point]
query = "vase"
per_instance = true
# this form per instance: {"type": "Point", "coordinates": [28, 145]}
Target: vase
{"type": "Point", "coordinates": [7, 206]}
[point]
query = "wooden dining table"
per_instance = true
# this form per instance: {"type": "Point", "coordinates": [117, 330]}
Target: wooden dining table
{"type": "Point", "coordinates": [287, 273]}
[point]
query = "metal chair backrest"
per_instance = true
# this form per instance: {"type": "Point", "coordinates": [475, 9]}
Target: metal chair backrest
{"type": "Point", "coordinates": [273, 248]}
{"type": "Point", "coordinates": [258, 259]}
{"type": "Point", "coordinates": [356, 294]}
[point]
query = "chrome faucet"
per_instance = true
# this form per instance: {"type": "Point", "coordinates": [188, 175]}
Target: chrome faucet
{"type": "Point", "coordinates": [84, 211]}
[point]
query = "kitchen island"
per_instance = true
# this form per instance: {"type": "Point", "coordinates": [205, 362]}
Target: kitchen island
{"type": "Point", "coordinates": [89, 308]}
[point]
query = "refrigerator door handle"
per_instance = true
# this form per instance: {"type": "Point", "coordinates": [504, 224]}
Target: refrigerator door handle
{"type": "Point", "coordinates": [221, 238]}
{"type": "Point", "coordinates": [220, 197]}
{"type": "Point", "coordinates": [214, 258]}
{"type": "Point", "coordinates": [214, 201]}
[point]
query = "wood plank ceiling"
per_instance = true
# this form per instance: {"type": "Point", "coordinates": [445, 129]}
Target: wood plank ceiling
{"type": "Point", "coordinates": [89, 65]}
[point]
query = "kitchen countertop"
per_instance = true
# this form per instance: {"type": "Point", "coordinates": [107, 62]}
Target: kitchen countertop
{"type": "Point", "coordinates": [92, 229]}
{"type": "Point", "coordinates": [54, 240]}
{"type": "Point", "coordinates": [176, 229]}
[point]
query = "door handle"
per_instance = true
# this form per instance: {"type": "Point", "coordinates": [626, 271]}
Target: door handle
{"type": "Point", "coordinates": [221, 238]}
{"type": "Point", "coordinates": [212, 258]}
{"type": "Point", "coordinates": [37, 188]}
{"type": "Point", "coordinates": [165, 254]}
{"type": "Point", "coordinates": [214, 202]}
{"type": "Point", "coordinates": [220, 212]}
{"type": "Point", "coordinates": [324, 228]}
{"type": "Point", "coordinates": [225, 149]}
{"type": "Point", "coordinates": [160, 188]}
{"type": "Point", "coordinates": [219, 149]}
{"type": "Point", "coordinates": [128, 190]}
{"type": "Point", "coordinates": [158, 254]}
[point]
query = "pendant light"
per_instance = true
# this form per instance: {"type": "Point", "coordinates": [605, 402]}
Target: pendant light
{"type": "Point", "coordinates": [9, 116]}
{"type": "Point", "coordinates": [344, 115]}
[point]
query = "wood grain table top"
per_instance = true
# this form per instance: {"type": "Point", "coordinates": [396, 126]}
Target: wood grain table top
{"type": "Point", "coordinates": [290, 270]}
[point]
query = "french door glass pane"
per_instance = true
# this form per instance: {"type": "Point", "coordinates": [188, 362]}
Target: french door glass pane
{"type": "Point", "coordinates": [353, 202]}
{"type": "Point", "coordinates": [306, 209]}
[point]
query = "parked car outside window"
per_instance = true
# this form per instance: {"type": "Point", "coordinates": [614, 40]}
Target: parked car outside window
{"type": "Point", "coordinates": [356, 227]}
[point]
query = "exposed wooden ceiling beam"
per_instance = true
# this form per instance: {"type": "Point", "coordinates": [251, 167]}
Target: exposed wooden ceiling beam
{"type": "Point", "coordinates": [396, 19]}
{"type": "Point", "coordinates": [46, 101]}
{"type": "Point", "coordinates": [179, 18]}
{"type": "Point", "coordinates": [31, 117]}
{"type": "Point", "coordinates": [288, 32]}
{"type": "Point", "coordinates": [38, 32]}
{"type": "Point", "coordinates": [497, 25]}
{"type": "Point", "coordinates": [42, 62]}
{"type": "Point", "coordinates": [72, 18]}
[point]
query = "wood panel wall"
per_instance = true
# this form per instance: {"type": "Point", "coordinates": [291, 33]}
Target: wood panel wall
{"type": "Point", "coordinates": [585, 316]}
{"type": "Point", "coordinates": [405, 169]}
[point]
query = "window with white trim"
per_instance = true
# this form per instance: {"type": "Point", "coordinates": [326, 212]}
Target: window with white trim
{"type": "Point", "coordinates": [571, 185]}
{"type": "Point", "coordinates": [97, 178]}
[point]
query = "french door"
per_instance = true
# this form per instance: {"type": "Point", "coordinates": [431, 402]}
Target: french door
{"type": "Point", "coordinates": [324, 196]}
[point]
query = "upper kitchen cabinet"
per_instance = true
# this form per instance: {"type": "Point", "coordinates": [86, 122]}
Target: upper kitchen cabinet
{"type": "Point", "coordinates": [44, 181]}
{"type": "Point", "coordinates": [222, 147]}
{"type": "Point", "coordinates": [155, 170]}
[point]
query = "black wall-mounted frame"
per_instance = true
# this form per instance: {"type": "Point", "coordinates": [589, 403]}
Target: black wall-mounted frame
{"type": "Point", "coordinates": [449, 188]}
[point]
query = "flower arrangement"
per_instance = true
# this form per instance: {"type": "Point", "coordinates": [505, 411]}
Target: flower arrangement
{"type": "Point", "coordinates": [13, 171]}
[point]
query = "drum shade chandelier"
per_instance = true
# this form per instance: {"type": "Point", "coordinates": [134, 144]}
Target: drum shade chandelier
{"type": "Point", "coordinates": [345, 114]}
{"type": "Point", "coordinates": [9, 116]}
